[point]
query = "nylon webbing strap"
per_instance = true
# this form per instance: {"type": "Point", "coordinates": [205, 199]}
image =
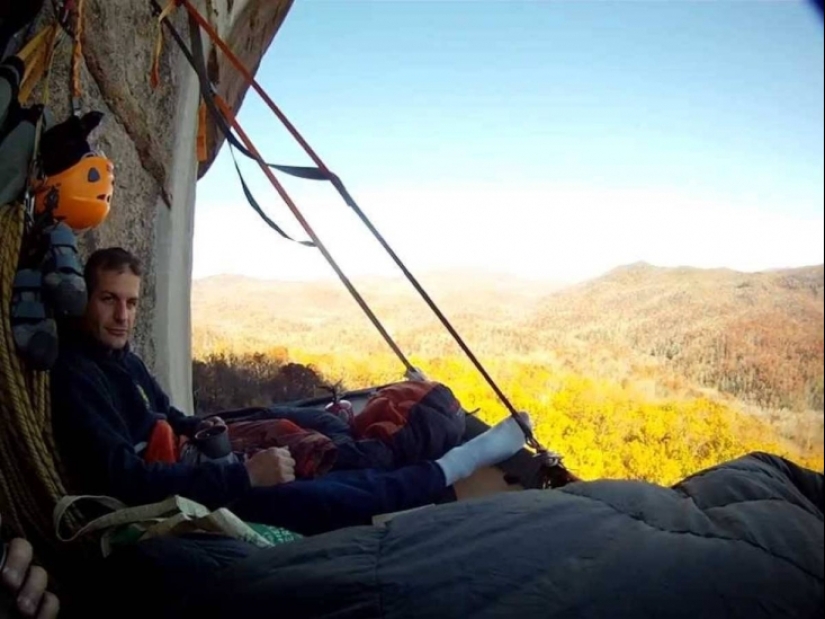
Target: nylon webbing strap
{"type": "Point", "coordinates": [195, 58]}
{"type": "Point", "coordinates": [200, 69]}
{"type": "Point", "coordinates": [223, 120]}
{"type": "Point", "coordinates": [254, 203]}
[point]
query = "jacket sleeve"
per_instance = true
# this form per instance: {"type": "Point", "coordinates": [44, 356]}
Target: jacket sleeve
{"type": "Point", "coordinates": [97, 447]}
{"type": "Point", "coordinates": [182, 424]}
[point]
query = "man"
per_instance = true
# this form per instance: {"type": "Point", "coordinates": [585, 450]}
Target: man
{"type": "Point", "coordinates": [24, 583]}
{"type": "Point", "coordinates": [107, 409]}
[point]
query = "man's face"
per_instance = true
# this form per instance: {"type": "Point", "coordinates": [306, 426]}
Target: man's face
{"type": "Point", "coordinates": [112, 308]}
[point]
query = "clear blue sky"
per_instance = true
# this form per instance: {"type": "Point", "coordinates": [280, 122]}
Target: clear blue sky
{"type": "Point", "coordinates": [540, 138]}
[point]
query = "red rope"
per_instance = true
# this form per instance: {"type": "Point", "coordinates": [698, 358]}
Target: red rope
{"type": "Point", "coordinates": [247, 75]}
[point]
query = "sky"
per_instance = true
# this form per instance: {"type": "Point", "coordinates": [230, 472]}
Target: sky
{"type": "Point", "coordinates": [534, 138]}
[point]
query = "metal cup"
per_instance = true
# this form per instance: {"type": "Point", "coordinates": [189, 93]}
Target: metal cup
{"type": "Point", "coordinates": [214, 442]}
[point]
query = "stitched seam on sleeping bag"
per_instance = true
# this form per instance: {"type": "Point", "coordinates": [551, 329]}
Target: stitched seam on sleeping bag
{"type": "Point", "coordinates": [707, 508]}
{"type": "Point", "coordinates": [693, 534]}
{"type": "Point", "coordinates": [768, 500]}
{"type": "Point", "coordinates": [761, 469]}
{"type": "Point", "coordinates": [765, 472]}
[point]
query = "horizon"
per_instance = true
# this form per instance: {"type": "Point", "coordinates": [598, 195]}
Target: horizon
{"type": "Point", "coordinates": [470, 271]}
{"type": "Point", "coordinates": [547, 141]}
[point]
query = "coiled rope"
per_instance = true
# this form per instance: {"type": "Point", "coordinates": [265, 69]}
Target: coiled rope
{"type": "Point", "coordinates": [30, 472]}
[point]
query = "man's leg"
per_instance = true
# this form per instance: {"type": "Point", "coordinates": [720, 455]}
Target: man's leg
{"type": "Point", "coordinates": [342, 498]}
{"type": "Point", "coordinates": [350, 498]}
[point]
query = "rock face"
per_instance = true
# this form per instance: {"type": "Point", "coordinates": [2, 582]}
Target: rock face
{"type": "Point", "coordinates": [151, 136]}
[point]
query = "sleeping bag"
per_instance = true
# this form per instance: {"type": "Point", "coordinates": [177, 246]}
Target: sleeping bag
{"type": "Point", "coordinates": [744, 539]}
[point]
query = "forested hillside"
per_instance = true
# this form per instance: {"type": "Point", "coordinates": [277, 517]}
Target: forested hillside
{"type": "Point", "coordinates": [646, 372]}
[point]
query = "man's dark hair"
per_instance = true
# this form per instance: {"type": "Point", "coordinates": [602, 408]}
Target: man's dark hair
{"type": "Point", "coordinates": [110, 259]}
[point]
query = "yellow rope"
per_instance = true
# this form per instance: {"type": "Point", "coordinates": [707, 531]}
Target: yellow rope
{"type": "Point", "coordinates": [35, 45]}
{"type": "Point", "coordinates": [77, 52]}
{"type": "Point", "coordinates": [38, 56]}
{"type": "Point", "coordinates": [30, 480]}
{"type": "Point", "coordinates": [154, 75]}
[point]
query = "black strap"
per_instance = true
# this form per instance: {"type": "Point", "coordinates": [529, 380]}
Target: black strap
{"type": "Point", "coordinates": [254, 204]}
{"type": "Point", "coordinates": [207, 93]}
{"type": "Point", "coordinates": [195, 59]}
{"type": "Point", "coordinates": [233, 142]}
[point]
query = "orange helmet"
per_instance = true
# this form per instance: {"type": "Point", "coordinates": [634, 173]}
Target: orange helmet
{"type": "Point", "coordinates": [79, 196]}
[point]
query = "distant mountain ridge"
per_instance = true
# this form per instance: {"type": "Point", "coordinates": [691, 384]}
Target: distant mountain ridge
{"type": "Point", "coordinates": [756, 336]}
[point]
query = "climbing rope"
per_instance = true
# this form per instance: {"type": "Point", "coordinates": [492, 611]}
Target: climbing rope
{"type": "Point", "coordinates": [77, 57]}
{"type": "Point", "coordinates": [38, 57]}
{"type": "Point", "coordinates": [30, 483]}
{"type": "Point", "coordinates": [162, 15]}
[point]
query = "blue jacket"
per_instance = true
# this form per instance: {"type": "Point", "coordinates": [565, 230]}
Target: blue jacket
{"type": "Point", "coordinates": [105, 404]}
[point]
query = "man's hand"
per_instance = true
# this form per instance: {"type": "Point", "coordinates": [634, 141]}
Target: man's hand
{"type": "Point", "coordinates": [271, 467]}
{"type": "Point", "coordinates": [27, 582]}
{"type": "Point", "coordinates": [210, 423]}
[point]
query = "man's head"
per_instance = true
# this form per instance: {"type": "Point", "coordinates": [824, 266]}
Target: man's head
{"type": "Point", "coordinates": [113, 283]}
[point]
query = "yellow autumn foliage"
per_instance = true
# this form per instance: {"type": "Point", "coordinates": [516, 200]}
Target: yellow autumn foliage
{"type": "Point", "coordinates": [604, 429]}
